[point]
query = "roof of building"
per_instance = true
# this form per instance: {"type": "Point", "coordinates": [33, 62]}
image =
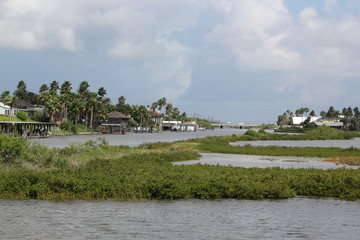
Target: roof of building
{"type": "Point", "coordinates": [330, 124]}
{"type": "Point", "coordinates": [21, 104]}
{"type": "Point", "coordinates": [118, 115]}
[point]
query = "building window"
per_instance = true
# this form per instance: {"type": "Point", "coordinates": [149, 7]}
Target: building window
{"type": "Point", "coordinates": [7, 112]}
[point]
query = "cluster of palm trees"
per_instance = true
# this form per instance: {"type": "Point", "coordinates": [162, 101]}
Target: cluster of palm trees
{"type": "Point", "coordinates": [90, 108]}
{"type": "Point", "coordinates": [350, 117]}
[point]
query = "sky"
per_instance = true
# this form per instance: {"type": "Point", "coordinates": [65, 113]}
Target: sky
{"type": "Point", "coordinates": [227, 60]}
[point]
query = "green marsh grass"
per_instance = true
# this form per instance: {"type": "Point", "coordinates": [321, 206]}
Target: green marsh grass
{"type": "Point", "coordinates": [97, 171]}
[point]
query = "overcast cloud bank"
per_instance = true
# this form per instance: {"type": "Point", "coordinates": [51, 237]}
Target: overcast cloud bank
{"type": "Point", "coordinates": [277, 58]}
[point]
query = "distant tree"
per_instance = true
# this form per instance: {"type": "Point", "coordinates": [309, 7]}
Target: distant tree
{"type": "Point", "coordinates": [161, 103]}
{"type": "Point", "coordinates": [92, 100]}
{"type": "Point", "coordinates": [169, 109]}
{"type": "Point", "coordinates": [356, 112]}
{"type": "Point", "coordinates": [32, 97]}
{"type": "Point", "coordinates": [306, 110]}
{"type": "Point", "coordinates": [175, 114]}
{"type": "Point", "coordinates": [21, 92]}
{"type": "Point", "coordinates": [281, 120]}
{"type": "Point", "coordinates": [52, 106]}
{"type": "Point", "coordinates": [154, 105]}
{"type": "Point", "coordinates": [145, 114]}
{"type": "Point", "coordinates": [54, 87]}
{"type": "Point", "coordinates": [65, 98]}
{"type": "Point", "coordinates": [312, 113]}
{"type": "Point", "coordinates": [101, 92]}
{"type": "Point", "coordinates": [4, 94]}
{"type": "Point", "coordinates": [332, 113]}
{"type": "Point", "coordinates": [323, 114]}
{"type": "Point", "coordinates": [83, 89]}
{"type": "Point", "coordinates": [43, 88]}
{"type": "Point", "coordinates": [121, 104]}
{"type": "Point", "coordinates": [76, 107]}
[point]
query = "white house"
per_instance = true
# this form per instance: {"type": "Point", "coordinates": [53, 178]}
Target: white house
{"type": "Point", "coordinates": [301, 120]}
{"type": "Point", "coordinates": [21, 105]}
{"type": "Point", "coordinates": [180, 126]}
{"type": "Point", "coordinates": [5, 109]}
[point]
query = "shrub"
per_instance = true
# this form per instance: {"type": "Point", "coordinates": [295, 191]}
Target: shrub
{"type": "Point", "coordinates": [67, 126]}
{"type": "Point", "coordinates": [11, 148]}
{"type": "Point", "coordinates": [251, 132]}
{"type": "Point", "coordinates": [22, 116]}
{"type": "Point", "coordinates": [38, 116]}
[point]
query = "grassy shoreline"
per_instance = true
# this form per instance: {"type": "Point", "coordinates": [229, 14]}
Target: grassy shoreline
{"type": "Point", "coordinates": [97, 171]}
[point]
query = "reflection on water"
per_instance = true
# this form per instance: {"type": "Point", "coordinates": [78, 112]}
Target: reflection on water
{"type": "Point", "coordinates": [248, 161]}
{"type": "Point", "coordinates": [296, 218]}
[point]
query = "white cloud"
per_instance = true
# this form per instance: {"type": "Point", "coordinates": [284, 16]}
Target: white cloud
{"type": "Point", "coordinates": [329, 5]}
{"type": "Point", "coordinates": [308, 50]}
{"type": "Point", "coordinates": [313, 54]}
{"type": "Point", "coordinates": [252, 33]}
{"type": "Point", "coordinates": [140, 31]}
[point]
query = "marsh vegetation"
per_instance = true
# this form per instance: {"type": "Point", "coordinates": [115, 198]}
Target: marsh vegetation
{"type": "Point", "coordinates": [94, 170]}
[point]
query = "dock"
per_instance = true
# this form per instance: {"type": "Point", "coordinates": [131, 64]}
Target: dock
{"type": "Point", "coordinates": [26, 129]}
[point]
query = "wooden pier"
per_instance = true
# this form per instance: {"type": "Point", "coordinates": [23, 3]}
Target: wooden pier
{"type": "Point", "coordinates": [26, 129]}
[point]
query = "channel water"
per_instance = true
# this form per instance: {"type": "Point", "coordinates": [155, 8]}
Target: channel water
{"type": "Point", "coordinates": [296, 218]}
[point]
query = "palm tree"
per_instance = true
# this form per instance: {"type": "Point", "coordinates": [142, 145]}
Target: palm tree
{"type": "Point", "coordinates": [53, 106]}
{"type": "Point", "coordinates": [169, 108]}
{"type": "Point", "coordinates": [54, 87]}
{"type": "Point", "coordinates": [65, 99]}
{"type": "Point", "coordinates": [21, 92]}
{"type": "Point", "coordinates": [43, 88]}
{"type": "Point", "coordinates": [91, 101]}
{"type": "Point", "coordinates": [121, 104]}
{"type": "Point", "coordinates": [144, 112]}
{"type": "Point", "coordinates": [4, 94]}
{"type": "Point", "coordinates": [101, 92]}
{"type": "Point", "coordinates": [83, 92]}
{"type": "Point", "coordinates": [161, 103]}
{"type": "Point", "coordinates": [154, 105]}
{"type": "Point", "coordinates": [83, 89]}
{"type": "Point", "coordinates": [11, 102]}
{"type": "Point", "coordinates": [75, 107]}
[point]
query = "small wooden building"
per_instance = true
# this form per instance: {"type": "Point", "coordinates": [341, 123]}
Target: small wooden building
{"type": "Point", "coordinates": [116, 122]}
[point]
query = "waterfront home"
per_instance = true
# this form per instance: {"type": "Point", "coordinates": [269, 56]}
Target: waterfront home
{"type": "Point", "coordinates": [116, 122]}
{"type": "Point", "coordinates": [191, 126]}
{"type": "Point", "coordinates": [157, 118]}
{"type": "Point", "coordinates": [180, 126]}
{"type": "Point", "coordinates": [331, 122]}
{"type": "Point", "coordinates": [300, 120]}
{"type": "Point", "coordinates": [5, 109]}
{"type": "Point", "coordinates": [21, 105]}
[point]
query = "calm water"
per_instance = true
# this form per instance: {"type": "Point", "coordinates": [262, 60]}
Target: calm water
{"type": "Point", "coordinates": [249, 161]}
{"type": "Point", "coordinates": [134, 139]}
{"type": "Point", "coordinates": [305, 143]}
{"type": "Point", "coordinates": [298, 218]}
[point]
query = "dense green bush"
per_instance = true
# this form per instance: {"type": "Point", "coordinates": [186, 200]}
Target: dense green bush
{"type": "Point", "coordinates": [22, 116]}
{"type": "Point", "coordinates": [11, 148]}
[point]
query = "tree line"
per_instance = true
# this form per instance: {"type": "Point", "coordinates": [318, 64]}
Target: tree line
{"type": "Point", "coordinates": [349, 116]}
{"type": "Point", "coordinates": [64, 105]}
